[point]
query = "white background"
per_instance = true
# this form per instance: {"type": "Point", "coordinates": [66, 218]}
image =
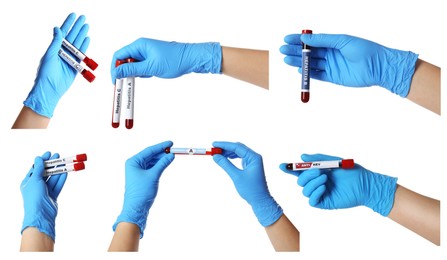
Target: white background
{"type": "Point", "coordinates": [198, 212]}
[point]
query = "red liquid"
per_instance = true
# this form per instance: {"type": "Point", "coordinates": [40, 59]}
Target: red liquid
{"type": "Point", "coordinates": [305, 97]}
{"type": "Point", "coordinates": [129, 123]}
{"type": "Point", "coordinates": [115, 125]}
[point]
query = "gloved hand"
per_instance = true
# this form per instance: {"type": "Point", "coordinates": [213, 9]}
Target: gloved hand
{"type": "Point", "coordinates": [143, 172]}
{"type": "Point", "coordinates": [40, 197]}
{"type": "Point", "coordinates": [345, 188]}
{"type": "Point", "coordinates": [54, 75]}
{"type": "Point", "coordinates": [250, 182]}
{"type": "Point", "coordinates": [167, 59]}
{"type": "Point", "coordinates": [352, 61]}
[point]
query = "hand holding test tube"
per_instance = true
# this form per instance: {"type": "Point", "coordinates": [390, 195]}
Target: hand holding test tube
{"type": "Point", "coordinates": [55, 74]}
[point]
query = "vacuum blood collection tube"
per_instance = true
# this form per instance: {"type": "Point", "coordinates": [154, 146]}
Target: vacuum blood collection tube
{"type": "Point", "coordinates": [89, 62]}
{"type": "Point", "coordinates": [130, 87]}
{"type": "Point", "coordinates": [68, 168]}
{"type": "Point", "coordinates": [117, 96]}
{"type": "Point", "coordinates": [305, 67]}
{"type": "Point", "coordinates": [194, 151]}
{"type": "Point", "coordinates": [345, 164]}
{"type": "Point", "coordinates": [73, 159]}
{"type": "Point", "coordinates": [75, 65]}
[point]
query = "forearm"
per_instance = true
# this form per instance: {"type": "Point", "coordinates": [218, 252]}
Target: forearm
{"type": "Point", "coordinates": [35, 241]}
{"type": "Point", "coordinates": [425, 88]}
{"type": "Point", "coordinates": [283, 235]}
{"type": "Point", "coordinates": [28, 119]}
{"type": "Point", "coordinates": [247, 65]}
{"type": "Point", "coordinates": [126, 238]}
{"type": "Point", "coordinates": [418, 213]}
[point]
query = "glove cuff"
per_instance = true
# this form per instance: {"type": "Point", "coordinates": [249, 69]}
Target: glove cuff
{"type": "Point", "coordinates": [210, 58]}
{"type": "Point", "coordinates": [383, 191]}
{"type": "Point", "coordinates": [399, 76]}
{"type": "Point", "coordinates": [137, 216]}
{"type": "Point", "coordinates": [44, 226]}
{"type": "Point", "coordinates": [39, 102]}
{"type": "Point", "coordinates": [267, 211]}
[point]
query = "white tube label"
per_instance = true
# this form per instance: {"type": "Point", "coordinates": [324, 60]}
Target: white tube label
{"type": "Point", "coordinates": [67, 58]}
{"type": "Point", "coordinates": [130, 91]}
{"type": "Point", "coordinates": [117, 100]}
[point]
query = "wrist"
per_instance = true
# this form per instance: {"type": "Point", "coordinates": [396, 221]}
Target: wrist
{"type": "Point", "coordinates": [382, 193]}
{"type": "Point", "coordinates": [134, 215]}
{"type": "Point", "coordinates": [209, 56]}
{"type": "Point", "coordinates": [397, 77]}
{"type": "Point", "coordinates": [40, 101]}
{"type": "Point", "coordinates": [46, 226]}
{"type": "Point", "coordinates": [267, 210]}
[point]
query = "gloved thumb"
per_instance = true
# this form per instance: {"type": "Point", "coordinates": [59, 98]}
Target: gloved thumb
{"type": "Point", "coordinates": [318, 157]}
{"type": "Point", "coordinates": [283, 167]}
{"type": "Point", "coordinates": [322, 40]}
{"type": "Point", "coordinates": [58, 37]}
{"type": "Point", "coordinates": [38, 168]}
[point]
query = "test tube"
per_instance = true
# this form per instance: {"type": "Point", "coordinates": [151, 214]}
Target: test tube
{"type": "Point", "coordinates": [305, 77]}
{"type": "Point", "coordinates": [194, 151]}
{"type": "Point", "coordinates": [80, 55]}
{"type": "Point", "coordinates": [130, 87]}
{"type": "Point", "coordinates": [67, 168]}
{"type": "Point", "coordinates": [116, 112]}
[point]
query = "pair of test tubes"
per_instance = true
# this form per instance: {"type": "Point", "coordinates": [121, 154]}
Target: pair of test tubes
{"type": "Point", "coordinates": [118, 94]}
{"type": "Point", "coordinates": [70, 164]}
{"type": "Point", "coordinates": [74, 64]}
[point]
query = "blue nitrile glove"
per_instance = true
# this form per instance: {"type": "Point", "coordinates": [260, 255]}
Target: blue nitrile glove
{"type": "Point", "coordinates": [250, 182]}
{"type": "Point", "coordinates": [166, 59]}
{"type": "Point", "coordinates": [143, 172]}
{"type": "Point", "coordinates": [345, 188]}
{"type": "Point", "coordinates": [40, 197]}
{"type": "Point", "coordinates": [54, 75]}
{"type": "Point", "coordinates": [352, 61]}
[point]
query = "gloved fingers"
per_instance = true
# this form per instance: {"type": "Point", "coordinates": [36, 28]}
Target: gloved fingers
{"type": "Point", "coordinates": [55, 184]}
{"type": "Point", "coordinates": [68, 23]}
{"type": "Point", "coordinates": [294, 39]}
{"type": "Point", "coordinates": [315, 64]}
{"type": "Point", "coordinates": [316, 196]}
{"type": "Point", "coordinates": [337, 41]}
{"type": "Point", "coordinates": [147, 154]}
{"type": "Point", "coordinates": [38, 169]}
{"type": "Point", "coordinates": [226, 165]}
{"type": "Point", "coordinates": [162, 164]}
{"type": "Point", "coordinates": [54, 156]}
{"type": "Point", "coordinates": [313, 184]}
{"type": "Point", "coordinates": [308, 175]}
{"type": "Point", "coordinates": [241, 150]}
{"type": "Point", "coordinates": [71, 36]}
{"type": "Point", "coordinates": [317, 74]}
{"type": "Point", "coordinates": [318, 157]}
{"type": "Point", "coordinates": [296, 50]}
{"type": "Point", "coordinates": [77, 42]}
{"type": "Point", "coordinates": [134, 69]}
{"type": "Point", "coordinates": [85, 44]}
{"type": "Point", "coordinates": [283, 167]}
{"type": "Point", "coordinates": [134, 50]}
